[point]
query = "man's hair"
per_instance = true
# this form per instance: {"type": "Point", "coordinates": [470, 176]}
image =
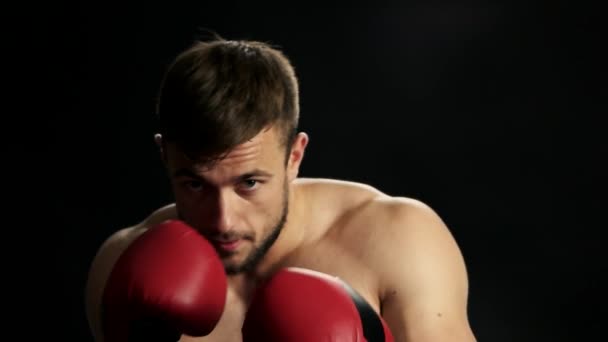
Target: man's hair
{"type": "Point", "coordinates": [220, 93]}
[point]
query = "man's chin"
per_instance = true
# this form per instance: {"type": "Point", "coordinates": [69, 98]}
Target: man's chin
{"type": "Point", "coordinates": [234, 268]}
{"type": "Point", "coordinates": [234, 264]}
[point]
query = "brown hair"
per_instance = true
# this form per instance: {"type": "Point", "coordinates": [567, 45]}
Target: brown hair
{"type": "Point", "coordinates": [220, 93]}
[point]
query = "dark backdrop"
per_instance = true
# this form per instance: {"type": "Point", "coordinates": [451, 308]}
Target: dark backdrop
{"type": "Point", "coordinates": [488, 112]}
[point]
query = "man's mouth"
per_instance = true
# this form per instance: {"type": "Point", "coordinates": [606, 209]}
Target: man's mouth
{"type": "Point", "coordinates": [228, 245]}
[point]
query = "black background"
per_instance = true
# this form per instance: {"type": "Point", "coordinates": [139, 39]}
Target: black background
{"type": "Point", "coordinates": [487, 111]}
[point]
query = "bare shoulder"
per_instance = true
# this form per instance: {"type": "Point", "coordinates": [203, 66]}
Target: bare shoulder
{"type": "Point", "coordinates": [402, 214]}
{"type": "Point", "coordinates": [421, 271]}
{"type": "Point", "coordinates": [416, 265]}
{"type": "Point", "coordinates": [105, 258]}
{"type": "Point", "coordinates": [360, 208]}
{"type": "Point", "coordinates": [356, 206]}
{"type": "Point", "coordinates": [363, 216]}
{"type": "Point", "coordinates": [377, 220]}
{"type": "Point", "coordinates": [405, 229]}
{"type": "Point", "coordinates": [339, 195]}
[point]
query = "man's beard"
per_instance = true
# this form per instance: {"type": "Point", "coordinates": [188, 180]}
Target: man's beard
{"type": "Point", "coordinates": [256, 255]}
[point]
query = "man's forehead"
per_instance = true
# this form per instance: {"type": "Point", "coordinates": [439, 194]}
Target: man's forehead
{"type": "Point", "coordinates": [253, 145]}
{"type": "Point", "coordinates": [241, 156]}
{"type": "Point", "coordinates": [249, 151]}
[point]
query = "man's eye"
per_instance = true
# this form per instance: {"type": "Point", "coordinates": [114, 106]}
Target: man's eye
{"type": "Point", "coordinates": [250, 184]}
{"type": "Point", "coordinates": [194, 185]}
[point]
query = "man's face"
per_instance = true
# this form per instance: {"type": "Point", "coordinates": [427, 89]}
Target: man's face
{"type": "Point", "coordinates": [240, 202]}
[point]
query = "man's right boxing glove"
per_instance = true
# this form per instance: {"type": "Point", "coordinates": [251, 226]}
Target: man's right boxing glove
{"type": "Point", "coordinates": [170, 281]}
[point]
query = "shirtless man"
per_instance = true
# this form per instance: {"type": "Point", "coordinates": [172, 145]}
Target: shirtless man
{"type": "Point", "coordinates": [228, 112]}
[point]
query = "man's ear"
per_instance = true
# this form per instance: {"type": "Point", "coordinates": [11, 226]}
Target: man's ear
{"type": "Point", "coordinates": [296, 155]}
{"type": "Point", "coordinates": [158, 139]}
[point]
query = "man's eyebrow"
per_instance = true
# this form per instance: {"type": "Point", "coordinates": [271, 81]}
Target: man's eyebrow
{"type": "Point", "coordinates": [185, 172]}
{"type": "Point", "coordinates": [255, 173]}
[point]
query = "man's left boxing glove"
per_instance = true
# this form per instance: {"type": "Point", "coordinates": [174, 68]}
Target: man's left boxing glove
{"type": "Point", "coordinates": [169, 282]}
{"type": "Point", "coordinates": [300, 305]}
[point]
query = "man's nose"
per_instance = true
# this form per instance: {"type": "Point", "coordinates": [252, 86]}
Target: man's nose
{"type": "Point", "coordinates": [221, 212]}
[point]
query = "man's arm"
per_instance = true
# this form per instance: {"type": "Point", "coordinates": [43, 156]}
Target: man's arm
{"type": "Point", "coordinates": [423, 278]}
{"type": "Point", "coordinates": [99, 271]}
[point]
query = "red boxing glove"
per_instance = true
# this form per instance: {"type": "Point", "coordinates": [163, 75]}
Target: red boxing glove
{"type": "Point", "coordinates": [170, 281]}
{"type": "Point", "coordinates": [300, 305]}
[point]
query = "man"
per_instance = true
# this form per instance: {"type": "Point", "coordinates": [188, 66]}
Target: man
{"type": "Point", "coordinates": [228, 112]}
